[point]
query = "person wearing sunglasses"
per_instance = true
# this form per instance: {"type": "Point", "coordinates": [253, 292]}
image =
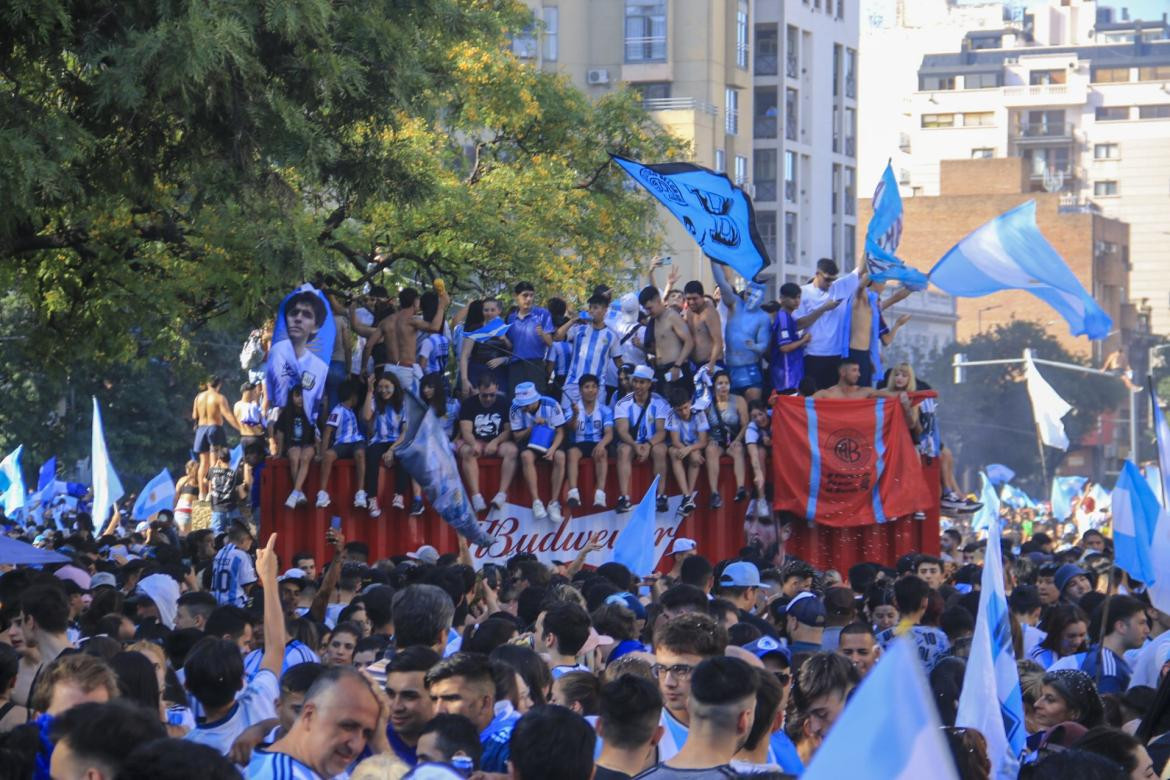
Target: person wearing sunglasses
{"type": "Point", "coordinates": [824, 294]}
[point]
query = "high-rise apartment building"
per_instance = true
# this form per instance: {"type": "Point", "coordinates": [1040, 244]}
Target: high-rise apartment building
{"type": "Point", "coordinates": [689, 59]}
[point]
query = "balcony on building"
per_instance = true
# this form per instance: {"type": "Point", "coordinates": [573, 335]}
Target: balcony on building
{"type": "Point", "coordinates": [1022, 95]}
{"type": "Point", "coordinates": [1041, 132]}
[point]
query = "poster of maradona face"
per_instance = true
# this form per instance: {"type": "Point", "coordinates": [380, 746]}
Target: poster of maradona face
{"type": "Point", "coordinates": [302, 344]}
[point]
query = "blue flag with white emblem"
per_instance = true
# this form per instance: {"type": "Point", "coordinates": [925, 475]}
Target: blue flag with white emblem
{"type": "Point", "coordinates": [717, 214]}
{"type": "Point", "coordinates": [157, 495]}
{"type": "Point", "coordinates": [990, 701]}
{"type": "Point", "coordinates": [884, 233]}
{"type": "Point", "coordinates": [1010, 253]}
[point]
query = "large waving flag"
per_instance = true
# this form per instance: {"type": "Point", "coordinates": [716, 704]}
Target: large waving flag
{"type": "Point", "coordinates": [1135, 516]}
{"type": "Point", "coordinates": [634, 547]}
{"type": "Point", "coordinates": [107, 488]}
{"type": "Point", "coordinates": [1010, 253]}
{"type": "Point", "coordinates": [157, 495]}
{"type": "Point", "coordinates": [1047, 406]}
{"type": "Point", "coordinates": [848, 462]}
{"type": "Point", "coordinates": [1015, 498]}
{"type": "Point", "coordinates": [988, 515]}
{"type": "Point", "coordinates": [1160, 545]}
{"type": "Point", "coordinates": [489, 330]}
{"type": "Point", "coordinates": [902, 742]}
{"type": "Point", "coordinates": [12, 482]}
{"type": "Point", "coordinates": [884, 233]}
{"type": "Point", "coordinates": [717, 214]}
{"type": "Point", "coordinates": [1064, 490]}
{"type": "Point", "coordinates": [990, 701]}
{"type": "Point", "coordinates": [999, 474]}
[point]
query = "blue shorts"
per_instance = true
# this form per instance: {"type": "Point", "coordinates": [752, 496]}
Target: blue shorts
{"type": "Point", "coordinates": [208, 436]}
{"type": "Point", "coordinates": [221, 520]}
{"type": "Point", "coordinates": [745, 377]}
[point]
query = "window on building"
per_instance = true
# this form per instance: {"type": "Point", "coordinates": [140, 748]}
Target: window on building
{"type": "Point", "coordinates": [766, 226]}
{"type": "Point", "coordinates": [720, 161]}
{"type": "Point", "coordinates": [979, 119]}
{"type": "Point", "coordinates": [982, 80]}
{"type": "Point", "coordinates": [767, 112]}
{"type": "Point", "coordinates": [1044, 124]}
{"type": "Point", "coordinates": [838, 56]}
{"type": "Point", "coordinates": [1110, 74]}
{"type": "Point", "coordinates": [1154, 73]}
{"type": "Point", "coordinates": [767, 50]}
{"type": "Point", "coordinates": [524, 43]}
{"type": "Point", "coordinates": [850, 191]}
{"type": "Point", "coordinates": [983, 153]}
{"type": "Point", "coordinates": [1106, 151]}
{"type": "Point", "coordinates": [792, 52]}
{"type": "Point", "coordinates": [790, 253]}
{"type": "Point", "coordinates": [790, 161]}
{"type": "Point", "coordinates": [840, 9]}
{"type": "Point", "coordinates": [652, 92]}
{"type": "Point", "coordinates": [850, 73]}
{"type": "Point", "coordinates": [1053, 76]}
{"type": "Point", "coordinates": [645, 31]}
{"type": "Point", "coordinates": [938, 120]}
{"type": "Point", "coordinates": [764, 173]}
{"type": "Point", "coordinates": [1047, 160]}
{"type": "Point", "coordinates": [550, 15]}
{"type": "Point", "coordinates": [731, 118]}
{"type": "Point", "coordinates": [1112, 113]}
{"type": "Point", "coordinates": [836, 187]}
{"type": "Point", "coordinates": [791, 99]}
{"type": "Point", "coordinates": [835, 242]}
{"type": "Point", "coordinates": [740, 169]}
{"type": "Point", "coordinates": [1154, 112]}
{"type": "Point", "coordinates": [741, 35]}
{"type": "Point", "coordinates": [851, 132]}
{"type": "Point", "coordinates": [849, 261]}
{"type": "Point", "coordinates": [1104, 188]}
{"type": "Point", "coordinates": [836, 126]}
{"type": "Point", "coordinates": [936, 83]}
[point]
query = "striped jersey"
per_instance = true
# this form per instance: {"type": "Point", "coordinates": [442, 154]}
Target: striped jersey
{"type": "Point", "coordinates": [688, 430]}
{"type": "Point", "coordinates": [231, 570]}
{"type": "Point", "coordinates": [386, 425]}
{"type": "Point", "coordinates": [560, 354]}
{"type": "Point", "coordinates": [1107, 668]}
{"type": "Point", "coordinates": [589, 426]}
{"type": "Point", "coordinates": [434, 351]}
{"type": "Point", "coordinates": [628, 409]}
{"type": "Point", "coordinates": [255, 703]}
{"type": "Point", "coordinates": [277, 766]}
{"type": "Point", "coordinates": [593, 352]}
{"type": "Point", "coordinates": [548, 410]}
{"type": "Point", "coordinates": [345, 425]}
{"type": "Point", "coordinates": [295, 652]}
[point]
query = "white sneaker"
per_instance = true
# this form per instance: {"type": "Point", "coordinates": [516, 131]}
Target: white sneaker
{"type": "Point", "coordinates": [322, 499]}
{"type": "Point", "coordinates": [375, 510]}
{"type": "Point", "coordinates": [554, 512]}
{"type": "Point", "coordinates": [360, 500]}
{"type": "Point", "coordinates": [499, 499]}
{"type": "Point", "coordinates": [599, 498]}
{"type": "Point", "coordinates": [291, 501]}
{"type": "Point", "coordinates": [477, 503]}
{"type": "Point", "coordinates": [399, 502]}
{"type": "Point", "coordinates": [538, 511]}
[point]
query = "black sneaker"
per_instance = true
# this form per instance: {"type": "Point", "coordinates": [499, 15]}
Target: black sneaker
{"type": "Point", "coordinates": [685, 508]}
{"type": "Point", "coordinates": [717, 500]}
{"type": "Point", "coordinates": [740, 495]}
{"type": "Point", "coordinates": [416, 506]}
{"type": "Point", "coordinates": [623, 505]}
{"type": "Point", "coordinates": [660, 505]}
{"type": "Point", "coordinates": [952, 502]}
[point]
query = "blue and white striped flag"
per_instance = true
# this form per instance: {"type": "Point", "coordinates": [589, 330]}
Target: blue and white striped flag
{"type": "Point", "coordinates": [634, 547]}
{"type": "Point", "coordinates": [107, 488]}
{"type": "Point", "coordinates": [883, 742]}
{"type": "Point", "coordinates": [990, 701]}
{"type": "Point", "coordinates": [1015, 498]}
{"type": "Point", "coordinates": [1064, 490]}
{"type": "Point", "coordinates": [157, 495]}
{"type": "Point", "coordinates": [988, 514]}
{"type": "Point", "coordinates": [489, 330]}
{"type": "Point", "coordinates": [884, 233]}
{"type": "Point", "coordinates": [1160, 545]}
{"type": "Point", "coordinates": [12, 482]}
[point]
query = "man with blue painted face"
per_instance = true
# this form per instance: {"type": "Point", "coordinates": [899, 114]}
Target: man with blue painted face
{"type": "Point", "coordinates": [748, 332]}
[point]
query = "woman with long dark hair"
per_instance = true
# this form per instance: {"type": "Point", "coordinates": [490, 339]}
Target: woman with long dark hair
{"type": "Point", "coordinates": [296, 439]}
{"type": "Point", "coordinates": [1067, 629]}
{"type": "Point", "coordinates": [384, 418]}
{"type": "Point", "coordinates": [480, 356]}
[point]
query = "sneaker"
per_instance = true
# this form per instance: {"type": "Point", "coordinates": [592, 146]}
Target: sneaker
{"type": "Point", "coordinates": [322, 499]}
{"type": "Point", "coordinates": [686, 507]}
{"type": "Point", "coordinates": [660, 505]}
{"type": "Point", "coordinates": [360, 500]}
{"type": "Point", "coordinates": [291, 501]}
{"type": "Point", "coordinates": [477, 503]}
{"type": "Point", "coordinates": [399, 502]}
{"type": "Point", "coordinates": [538, 510]}
{"type": "Point", "coordinates": [499, 499]}
{"type": "Point", "coordinates": [954, 503]}
{"type": "Point", "coordinates": [302, 499]}
{"type": "Point", "coordinates": [416, 506]}
{"type": "Point", "coordinates": [554, 512]}
{"type": "Point", "coordinates": [573, 499]}
{"type": "Point", "coordinates": [623, 505]}
{"type": "Point", "coordinates": [740, 495]}
{"type": "Point", "coordinates": [717, 500]}
{"type": "Point", "coordinates": [599, 498]}
{"type": "Point", "coordinates": [375, 510]}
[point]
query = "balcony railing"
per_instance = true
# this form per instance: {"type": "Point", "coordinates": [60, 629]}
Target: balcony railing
{"type": "Point", "coordinates": [766, 189]}
{"type": "Point", "coordinates": [764, 127]}
{"type": "Point", "coordinates": [680, 104]}
{"type": "Point", "coordinates": [646, 49]}
{"type": "Point", "coordinates": [791, 67]}
{"type": "Point", "coordinates": [731, 123]}
{"type": "Point", "coordinates": [767, 64]}
{"type": "Point", "coordinates": [742, 54]}
{"type": "Point", "coordinates": [1043, 131]}
{"type": "Point", "coordinates": [790, 191]}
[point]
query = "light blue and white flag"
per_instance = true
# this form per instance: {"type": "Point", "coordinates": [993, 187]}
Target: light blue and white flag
{"type": "Point", "coordinates": [489, 330]}
{"type": "Point", "coordinates": [990, 701]}
{"type": "Point", "coordinates": [157, 495]}
{"type": "Point", "coordinates": [988, 515]}
{"type": "Point", "coordinates": [634, 547]}
{"type": "Point", "coordinates": [1135, 516]}
{"type": "Point", "coordinates": [237, 454]}
{"type": "Point", "coordinates": [12, 482]}
{"type": "Point", "coordinates": [107, 488]}
{"type": "Point", "coordinates": [884, 233]}
{"type": "Point", "coordinates": [1102, 501]}
{"type": "Point", "coordinates": [1153, 476]}
{"type": "Point", "coordinates": [1064, 490]}
{"type": "Point", "coordinates": [1048, 407]}
{"type": "Point", "coordinates": [1010, 253]}
{"type": "Point", "coordinates": [1160, 545]}
{"type": "Point", "coordinates": [1015, 498]}
{"type": "Point", "coordinates": [999, 473]}
{"type": "Point", "coordinates": [883, 742]}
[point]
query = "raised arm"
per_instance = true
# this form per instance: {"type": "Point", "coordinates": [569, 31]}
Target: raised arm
{"type": "Point", "coordinates": [901, 294]}
{"type": "Point", "coordinates": [726, 292]}
{"type": "Point", "coordinates": [332, 576]}
{"type": "Point", "coordinates": [274, 632]}
{"type": "Point", "coordinates": [226, 410]}
{"type": "Point", "coordinates": [435, 325]}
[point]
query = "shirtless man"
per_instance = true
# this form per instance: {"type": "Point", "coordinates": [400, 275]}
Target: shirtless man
{"type": "Point", "coordinates": [673, 342]}
{"type": "Point", "coordinates": [341, 358]}
{"type": "Point", "coordinates": [399, 333]}
{"type": "Point", "coordinates": [849, 386]}
{"type": "Point", "coordinates": [209, 411]}
{"type": "Point", "coordinates": [868, 304]}
{"type": "Point", "coordinates": [704, 322]}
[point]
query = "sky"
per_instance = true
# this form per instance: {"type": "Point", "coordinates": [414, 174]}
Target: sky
{"type": "Point", "coordinates": [1138, 9]}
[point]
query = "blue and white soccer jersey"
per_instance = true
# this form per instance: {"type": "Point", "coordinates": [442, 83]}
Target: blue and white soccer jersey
{"type": "Point", "coordinates": [548, 410]}
{"type": "Point", "coordinates": [688, 430]}
{"type": "Point", "coordinates": [629, 410]}
{"type": "Point", "coordinates": [277, 766]}
{"type": "Point", "coordinates": [589, 426]}
{"type": "Point", "coordinates": [295, 652]}
{"type": "Point", "coordinates": [308, 371]}
{"type": "Point", "coordinates": [231, 571]}
{"type": "Point", "coordinates": [255, 703]}
{"type": "Point", "coordinates": [434, 351]}
{"type": "Point", "coordinates": [386, 426]}
{"type": "Point", "coordinates": [560, 354]}
{"type": "Point", "coordinates": [345, 425]}
{"type": "Point", "coordinates": [593, 352]}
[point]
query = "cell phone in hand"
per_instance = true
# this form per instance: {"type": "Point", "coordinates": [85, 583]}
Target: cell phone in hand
{"type": "Point", "coordinates": [668, 260]}
{"type": "Point", "coordinates": [335, 523]}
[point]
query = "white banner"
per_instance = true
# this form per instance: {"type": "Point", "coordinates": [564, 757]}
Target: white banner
{"type": "Point", "coordinates": [516, 531]}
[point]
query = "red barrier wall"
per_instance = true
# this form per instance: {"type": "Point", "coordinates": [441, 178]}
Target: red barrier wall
{"type": "Point", "coordinates": [719, 532]}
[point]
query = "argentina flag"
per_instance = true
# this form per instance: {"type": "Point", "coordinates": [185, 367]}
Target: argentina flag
{"type": "Point", "coordinates": [1010, 253]}
{"type": "Point", "coordinates": [12, 482]}
{"type": "Point", "coordinates": [1064, 490]}
{"type": "Point", "coordinates": [884, 233]}
{"type": "Point", "coordinates": [157, 495]}
{"type": "Point", "coordinates": [489, 330]}
{"type": "Point", "coordinates": [634, 547]}
{"type": "Point", "coordinates": [1159, 589]}
{"type": "Point", "coordinates": [717, 214]}
{"type": "Point", "coordinates": [991, 701]}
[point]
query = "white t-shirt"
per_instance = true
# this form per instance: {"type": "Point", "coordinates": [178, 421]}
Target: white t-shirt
{"type": "Point", "coordinates": [231, 570]}
{"type": "Point", "coordinates": [657, 409]}
{"type": "Point", "coordinates": [255, 703]}
{"type": "Point", "coordinates": [826, 331]}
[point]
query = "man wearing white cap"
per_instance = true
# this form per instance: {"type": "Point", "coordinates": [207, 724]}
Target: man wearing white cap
{"type": "Point", "coordinates": [531, 417]}
{"type": "Point", "coordinates": [682, 549]}
{"type": "Point", "coordinates": [640, 422]}
{"type": "Point", "coordinates": [425, 554]}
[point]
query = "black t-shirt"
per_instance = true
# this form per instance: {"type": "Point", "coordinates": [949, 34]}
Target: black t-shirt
{"type": "Point", "coordinates": [601, 773]}
{"type": "Point", "coordinates": [486, 422]}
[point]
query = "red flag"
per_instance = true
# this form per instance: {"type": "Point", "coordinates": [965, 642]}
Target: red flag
{"type": "Point", "coordinates": [846, 462]}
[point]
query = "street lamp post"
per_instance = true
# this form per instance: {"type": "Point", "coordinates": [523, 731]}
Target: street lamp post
{"type": "Point", "coordinates": [979, 316]}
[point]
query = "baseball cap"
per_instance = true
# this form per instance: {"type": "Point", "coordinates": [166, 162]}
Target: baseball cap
{"type": "Point", "coordinates": [628, 600]}
{"type": "Point", "coordinates": [740, 574]}
{"type": "Point", "coordinates": [78, 577]}
{"type": "Point", "coordinates": [644, 372]}
{"type": "Point", "coordinates": [767, 645]}
{"type": "Point", "coordinates": [682, 545]}
{"type": "Point", "coordinates": [103, 579]}
{"type": "Point", "coordinates": [293, 574]}
{"type": "Point", "coordinates": [424, 554]}
{"type": "Point", "coordinates": [807, 609]}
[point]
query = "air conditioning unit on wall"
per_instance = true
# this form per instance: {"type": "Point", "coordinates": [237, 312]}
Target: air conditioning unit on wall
{"type": "Point", "coordinates": [596, 76]}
